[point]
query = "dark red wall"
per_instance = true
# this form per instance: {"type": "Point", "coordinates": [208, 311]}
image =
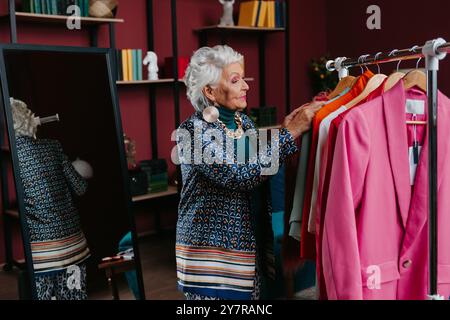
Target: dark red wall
{"type": "Point", "coordinates": [317, 27]}
{"type": "Point", "coordinates": [308, 26]}
{"type": "Point", "coordinates": [403, 25]}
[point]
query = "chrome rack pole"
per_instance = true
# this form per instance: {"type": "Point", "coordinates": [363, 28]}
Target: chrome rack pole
{"type": "Point", "coordinates": [432, 55]}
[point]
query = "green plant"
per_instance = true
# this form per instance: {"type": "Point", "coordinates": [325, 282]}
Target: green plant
{"type": "Point", "coordinates": [321, 78]}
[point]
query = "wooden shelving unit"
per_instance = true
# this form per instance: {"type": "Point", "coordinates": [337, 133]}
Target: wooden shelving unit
{"type": "Point", "coordinates": [143, 82]}
{"type": "Point", "coordinates": [47, 18]}
{"type": "Point", "coordinates": [238, 29]}
{"type": "Point", "coordinates": [171, 191]}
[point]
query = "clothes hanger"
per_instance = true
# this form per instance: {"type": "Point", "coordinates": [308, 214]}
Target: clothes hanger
{"type": "Point", "coordinates": [371, 85]}
{"type": "Point", "coordinates": [415, 77]}
{"type": "Point", "coordinates": [419, 79]}
{"type": "Point", "coordinates": [362, 72]}
{"type": "Point", "coordinates": [344, 83]}
{"type": "Point", "coordinates": [395, 77]}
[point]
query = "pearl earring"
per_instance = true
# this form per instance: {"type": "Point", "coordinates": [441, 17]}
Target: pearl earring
{"type": "Point", "coordinates": [211, 114]}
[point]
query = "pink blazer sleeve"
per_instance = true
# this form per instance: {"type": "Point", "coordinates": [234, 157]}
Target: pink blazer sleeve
{"type": "Point", "coordinates": [340, 252]}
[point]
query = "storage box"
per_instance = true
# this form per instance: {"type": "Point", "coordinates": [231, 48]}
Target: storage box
{"type": "Point", "coordinates": [157, 177]}
{"type": "Point", "coordinates": [264, 116]}
{"type": "Point", "coordinates": [138, 182]}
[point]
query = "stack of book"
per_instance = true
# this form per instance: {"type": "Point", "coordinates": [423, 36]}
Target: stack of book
{"type": "Point", "coordinates": [262, 14]}
{"type": "Point", "coordinates": [55, 7]}
{"type": "Point", "coordinates": [157, 176]}
{"type": "Point", "coordinates": [129, 65]}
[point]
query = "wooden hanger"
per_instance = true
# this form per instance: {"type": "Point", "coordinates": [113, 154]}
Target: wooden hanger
{"type": "Point", "coordinates": [371, 85]}
{"type": "Point", "coordinates": [419, 79]}
{"type": "Point", "coordinates": [416, 122]}
{"type": "Point", "coordinates": [392, 80]}
{"type": "Point", "coordinates": [415, 78]}
{"type": "Point", "coordinates": [344, 83]}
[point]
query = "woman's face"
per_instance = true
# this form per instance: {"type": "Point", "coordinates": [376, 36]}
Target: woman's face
{"type": "Point", "coordinates": [231, 92]}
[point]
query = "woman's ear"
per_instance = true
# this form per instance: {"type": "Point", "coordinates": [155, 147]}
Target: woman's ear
{"type": "Point", "coordinates": [209, 94]}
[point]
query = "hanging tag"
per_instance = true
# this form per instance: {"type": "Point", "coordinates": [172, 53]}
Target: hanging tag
{"type": "Point", "coordinates": [415, 106]}
{"type": "Point", "coordinates": [414, 154]}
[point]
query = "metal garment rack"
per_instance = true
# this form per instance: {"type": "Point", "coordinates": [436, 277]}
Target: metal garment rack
{"type": "Point", "coordinates": [433, 51]}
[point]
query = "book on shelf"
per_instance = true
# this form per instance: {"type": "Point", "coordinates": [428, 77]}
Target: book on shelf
{"type": "Point", "coordinates": [37, 6]}
{"type": "Point", "coordinates": [27, 5]}
{"type": "Point", "coordinates": [280, 14]}
{"type": "Point", "coordinates": [277, 14]}
{"type": "Point", "coordinates": [139, 64]}
{"type": "Point", "coordinates": [261, 14]}
{"type": "Point", "coordinates": [124, 65]}
{"type": "Point", "coordinates": [129, 65]}
{"type": "Point", "coordinates": [248, 12]}
{"type": "Point", "coordinates": [258, 13]}
{"type": "Point", "coordinates": [136, 64]}
{"type": "Point", "coordinates": [60, 9]}
{"type": "Point", "coordinates": [44, 6]}
{"type": "Point", "coordinates": [54, 7]}
{"type": "Point", "coordinates": [119, 64]}
{"type": "Point", "coordinates": [271, 13]}
{"type": "Point", "coordinates": [133, 64]}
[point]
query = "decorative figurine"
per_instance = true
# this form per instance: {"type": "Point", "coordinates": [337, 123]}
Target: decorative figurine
{"type": "Point", "coordinates": [152, 61]}
{"type": "Point", "coordinates": [103, 8]}
{"type": "Point", "coordinates": [227, 17]}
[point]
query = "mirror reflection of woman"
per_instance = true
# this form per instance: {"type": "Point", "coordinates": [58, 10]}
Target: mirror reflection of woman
{"type": "Point", "coordinates": [58, 246]}
{"type": "Point", "coordinates": [224, 237]}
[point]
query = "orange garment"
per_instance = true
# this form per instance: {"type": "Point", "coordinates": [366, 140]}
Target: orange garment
{"type": "Point", "coordinates": [308, 241]}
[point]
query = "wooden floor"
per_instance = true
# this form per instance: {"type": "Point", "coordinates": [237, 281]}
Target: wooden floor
{"type": "Point", "coordinates": [159, 273]}
{"type": "Point", "coordinates": [159, 267]}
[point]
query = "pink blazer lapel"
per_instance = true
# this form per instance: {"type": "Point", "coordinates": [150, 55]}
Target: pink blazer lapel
{"type": "Point", "coordinates": [394, 115]}
{"type": "Point", "coordinates": [418, 213]}
{"type": "Point", "coordinates": [419, 210]}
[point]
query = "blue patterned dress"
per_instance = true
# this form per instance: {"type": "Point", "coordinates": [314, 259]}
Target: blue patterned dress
{"type": "Point", "coordinates": [50, 182]}
{"type": "Point", "coordinates": [222, 234]}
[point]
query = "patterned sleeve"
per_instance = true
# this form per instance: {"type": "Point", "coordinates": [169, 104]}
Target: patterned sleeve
{"type": "Point", "coordinates": [76, 183]}
{"type": "Point", "coordinates": [249, 175]}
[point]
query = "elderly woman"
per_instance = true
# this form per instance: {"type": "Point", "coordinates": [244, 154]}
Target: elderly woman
{"type": "Point", "coordinates": [223, 243]}
{"type": "Point", "coordinates": [58, 246]}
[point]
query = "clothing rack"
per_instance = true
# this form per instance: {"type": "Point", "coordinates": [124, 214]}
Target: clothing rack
{"type": "Point", "coordinates": [433, 51]}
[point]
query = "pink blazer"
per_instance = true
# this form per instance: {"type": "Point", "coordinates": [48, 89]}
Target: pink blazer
{"type": "Point", "coordinates": [375, 237]}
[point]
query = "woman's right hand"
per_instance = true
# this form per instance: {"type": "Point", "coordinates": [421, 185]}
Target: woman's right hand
{"type": "Point", "coordinates": [299, 121]}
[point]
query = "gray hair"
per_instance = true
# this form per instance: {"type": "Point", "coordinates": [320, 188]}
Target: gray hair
{"type": "Point", "coordinates": [205, 68]}
{"type": "Point", "coordinates": [23, 118]}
